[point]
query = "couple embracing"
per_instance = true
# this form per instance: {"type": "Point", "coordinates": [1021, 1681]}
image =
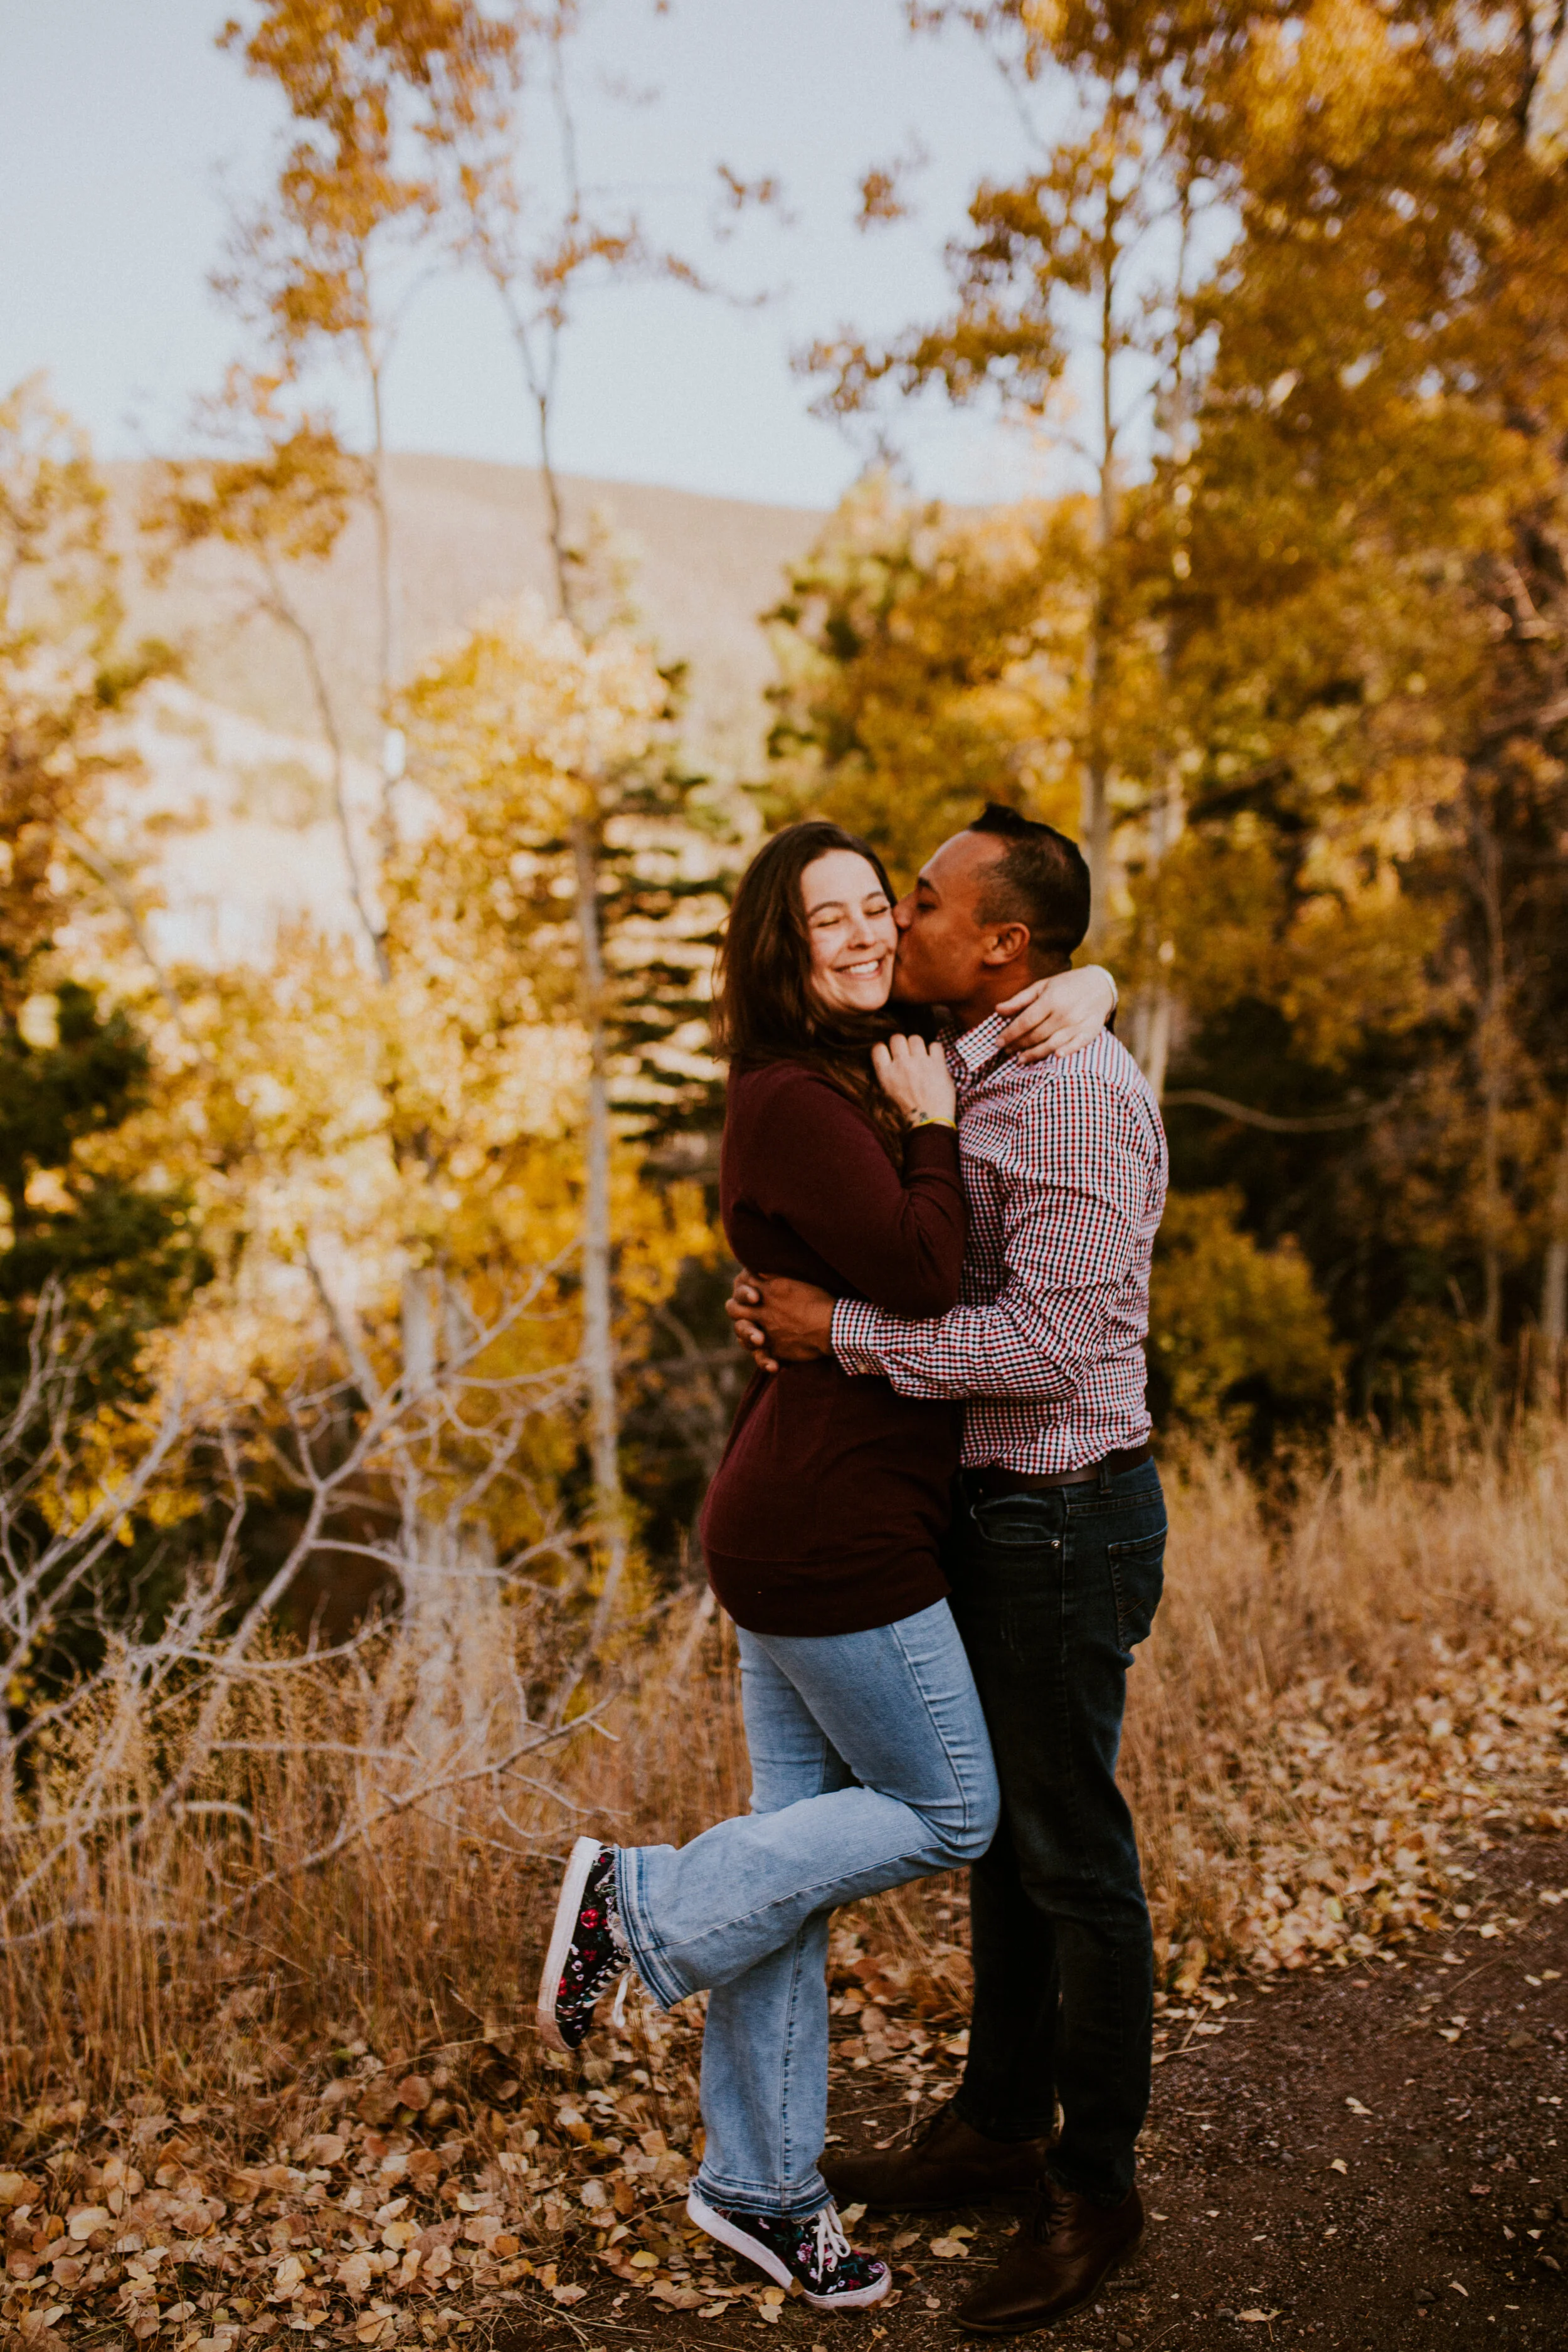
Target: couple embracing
{"type": "Point", "coordinates": [939, 1532]}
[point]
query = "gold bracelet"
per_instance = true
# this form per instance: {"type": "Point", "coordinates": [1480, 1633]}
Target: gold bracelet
{"type": "Point", "coordinates": [931, 1118]}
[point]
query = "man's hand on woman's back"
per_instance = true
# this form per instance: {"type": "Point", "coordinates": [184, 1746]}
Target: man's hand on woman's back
{"type": "Point", "coordinates": [780, 1320]}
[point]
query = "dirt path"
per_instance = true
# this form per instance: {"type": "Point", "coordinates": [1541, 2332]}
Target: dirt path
{"type": "Point", "coordinates": [1372, 2157]}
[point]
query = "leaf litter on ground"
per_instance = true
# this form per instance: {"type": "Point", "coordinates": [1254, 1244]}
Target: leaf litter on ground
{"type": "Point", "coordinates": [380, 2201]}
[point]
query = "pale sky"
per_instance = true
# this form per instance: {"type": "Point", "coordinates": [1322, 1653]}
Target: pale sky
{"type": "Point", "coordinates": [119, 124]}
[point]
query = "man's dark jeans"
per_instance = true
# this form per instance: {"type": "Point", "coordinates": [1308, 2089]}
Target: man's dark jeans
{"type": "Point", "coordinates": [1051, 1591]}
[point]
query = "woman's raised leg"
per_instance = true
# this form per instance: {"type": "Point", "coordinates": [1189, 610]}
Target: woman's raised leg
{"type": "Point", "coordinates": [764, 2046]}
{"type": "Point", "coordinates": [871, 1766]}
{"type": "Point", "coordinates": [898, 1704]}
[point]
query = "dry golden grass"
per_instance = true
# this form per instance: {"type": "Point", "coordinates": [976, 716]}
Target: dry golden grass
{"type": "Point", "coordinates": [362, 1851]}
{"type": "Point", "coordinates": [1342, 1689]}
{"type": "Point", "coordinates": [1344, 1692]}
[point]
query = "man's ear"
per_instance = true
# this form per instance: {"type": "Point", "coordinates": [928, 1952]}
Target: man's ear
{"type": "Point", "coordinates": [1009, 944]}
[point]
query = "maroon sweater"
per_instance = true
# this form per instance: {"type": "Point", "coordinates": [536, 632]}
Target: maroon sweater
{"type": "Point", "coordinates": [831, 1499]}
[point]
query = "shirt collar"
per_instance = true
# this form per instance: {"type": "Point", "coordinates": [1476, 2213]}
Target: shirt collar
{"type": "Point", "coordinates": [980, 1044]}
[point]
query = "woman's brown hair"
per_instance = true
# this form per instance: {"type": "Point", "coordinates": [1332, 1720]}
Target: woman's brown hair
{"type": "Point", "coordinates": [763, 1009]}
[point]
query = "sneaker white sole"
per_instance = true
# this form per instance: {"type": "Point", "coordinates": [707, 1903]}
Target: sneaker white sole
{"type": "Point", "coordinates": [583, 1856]}
{"type": "Point", "coordinates": [740, 2241]}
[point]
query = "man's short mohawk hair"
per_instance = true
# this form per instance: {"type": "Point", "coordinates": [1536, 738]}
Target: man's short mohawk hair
{"type": "Point", "coordinates": [1040, 879]}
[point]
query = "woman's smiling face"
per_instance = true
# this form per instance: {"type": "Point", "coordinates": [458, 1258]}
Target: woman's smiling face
{"type": "Point", "coordinates": [850, 932]}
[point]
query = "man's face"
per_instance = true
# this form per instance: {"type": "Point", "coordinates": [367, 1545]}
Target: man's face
{"type": "Point", "coordinates": [942, 954]}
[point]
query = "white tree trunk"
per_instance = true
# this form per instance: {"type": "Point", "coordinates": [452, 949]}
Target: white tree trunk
{"type": "Point", "coordinates": [598, 1357]}
{"type": "Point", "coordinates": [1554, 1275]}
{"type": "Point", "coordinates": [1157, 1006]}
{"type": "Point", "coordinates": [1490, 1047]}
{"type": "Point", "coordinates": [1157, 1049]}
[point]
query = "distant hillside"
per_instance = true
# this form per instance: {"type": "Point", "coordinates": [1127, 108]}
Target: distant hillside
{"type": "Point", "coordinates": [466, 532]}
{"type": "Point", "coordinates": [232, 810]}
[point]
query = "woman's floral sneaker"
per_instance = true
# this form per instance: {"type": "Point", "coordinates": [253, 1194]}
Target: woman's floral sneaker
{"type": "Point", "coordinates": [812, 2253]}
{"type": "Point", "coordinates": [586, 1954]}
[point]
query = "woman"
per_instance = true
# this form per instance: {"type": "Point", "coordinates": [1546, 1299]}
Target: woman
{"type": "Point", "coordinates": [870, 1762]}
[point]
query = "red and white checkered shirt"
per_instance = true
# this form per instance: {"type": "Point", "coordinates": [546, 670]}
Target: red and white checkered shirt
{"type": "Point", "coordinates": [1065, 1170]}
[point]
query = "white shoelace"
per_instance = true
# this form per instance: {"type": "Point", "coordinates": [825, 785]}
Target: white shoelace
{"type": "Point", "coordinates": [830, 2239]}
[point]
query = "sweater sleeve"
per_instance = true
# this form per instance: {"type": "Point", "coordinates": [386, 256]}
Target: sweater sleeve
{"type": "Point", "coordinates": [815, 1161]}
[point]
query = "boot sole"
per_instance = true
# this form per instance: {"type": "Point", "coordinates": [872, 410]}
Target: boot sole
{"type": "Point", "coordinates": [1024, 2325]}
{"type": "Point", "coordinates": [739, 2242]}
{"type": "Point", "coordinates": [583, 1857]}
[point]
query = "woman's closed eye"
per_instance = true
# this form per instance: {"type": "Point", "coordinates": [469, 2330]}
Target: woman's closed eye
{"type": "Point", "coordinates": [841, 918]}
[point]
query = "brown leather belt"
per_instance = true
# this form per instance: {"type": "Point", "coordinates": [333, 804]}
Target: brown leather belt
{"type": "Point", "coordinates": [996, 1478]}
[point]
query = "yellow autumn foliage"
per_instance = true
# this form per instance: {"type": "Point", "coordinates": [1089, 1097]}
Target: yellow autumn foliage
{"type": "Point", "coordinates": [1232, 1322]}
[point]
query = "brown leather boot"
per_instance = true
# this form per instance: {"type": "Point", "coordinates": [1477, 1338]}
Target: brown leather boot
{"type": "Point", "coordinates": [946, 2164]}
{"type": "Point", "coordinates": [1062, 2255]}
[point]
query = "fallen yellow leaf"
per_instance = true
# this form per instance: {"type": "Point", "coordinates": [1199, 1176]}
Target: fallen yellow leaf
{"type": "Point", "coordinates": [354, 2274]}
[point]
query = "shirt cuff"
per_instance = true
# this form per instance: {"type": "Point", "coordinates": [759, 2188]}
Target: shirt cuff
{"type": "Point", "coordinates": [854, 1331]}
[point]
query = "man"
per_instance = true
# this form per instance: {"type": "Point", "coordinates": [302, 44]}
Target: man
{"type": "Point", "coordinates": [1054, 1559]}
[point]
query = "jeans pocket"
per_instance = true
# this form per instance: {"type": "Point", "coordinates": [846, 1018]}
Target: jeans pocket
{"type": "Point", "coordinates": [1017, 1523]}
{"type": "Point", "coordinates": [1138, 1579]}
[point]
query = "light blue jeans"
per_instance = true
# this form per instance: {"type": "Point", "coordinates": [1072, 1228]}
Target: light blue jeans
{"type": "Point", "coordinates": [870, 1765]}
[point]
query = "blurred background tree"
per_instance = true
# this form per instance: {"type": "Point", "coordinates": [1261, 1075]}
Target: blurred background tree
{"type": "Point", "coordinates": [1300, 660]}
{"type": "Point", "coordinates": [1288, 304]}
{"type": "Point", "coordinates": [410, 147]}
{"type": "Point", "coordinates": [97, 1250]}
